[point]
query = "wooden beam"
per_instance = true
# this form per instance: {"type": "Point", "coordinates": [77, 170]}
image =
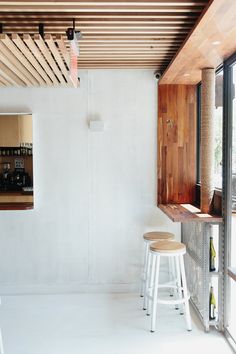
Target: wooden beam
{"type": "Point", "coordinates": [39, 56]}
{"type": "Point", "coordinates": [5, 81]}
{"type": "Point", "coordinates": [78, 16]}
{"type": "Point", "coordinates": [63, 49]}
{"type": "Point", "coordinates": [48, 56]}
{"type": "Point", "coordinates": [27, 53]}
{"type": "Point", "coordinates": [6, 73]}
{"type": "Point", "coordinates": [14, 65]}
{"type": "Point", "coordinates": [50, 42]}
{"type": "Point", "coordinates": [18, 54]}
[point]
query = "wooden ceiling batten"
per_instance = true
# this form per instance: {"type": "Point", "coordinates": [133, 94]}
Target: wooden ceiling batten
{"type": "Point", "coordinates": [48, 56]}
{"type": "Point", "coordinates": [4, 81]}
{"type": "Point", "coordinates": [63, 49]}
{"type": "Point", "coordinates": [49, 40]}
{"type": "Point", "coordinates": [28, 54]}
{"type": "Point", "coordinates": [15, 66]}
{"type": "Point", "coordinates": [15, 51]}
{"type": "Point", "coordinates": [39, 56]}
{"type": "Point", "coordinates": [9, 75]}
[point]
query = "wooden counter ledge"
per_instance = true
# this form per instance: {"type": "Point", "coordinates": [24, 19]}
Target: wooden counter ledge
{"type": "Point", "coordinates": [187, 213]}
{"type": "Point", "coordinates": [16, 206]}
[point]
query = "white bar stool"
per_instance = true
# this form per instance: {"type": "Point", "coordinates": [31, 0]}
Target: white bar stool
{"type": "Point", "coordinates": [148, 238]}
{"type": "Point", "coordinates": [176, 251]}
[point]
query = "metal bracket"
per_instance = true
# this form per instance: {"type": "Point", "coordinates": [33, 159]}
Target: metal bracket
{"type": "Point", "coordinates": [1, 28]}
{"type": "Point", "coordinates": [41, 30]}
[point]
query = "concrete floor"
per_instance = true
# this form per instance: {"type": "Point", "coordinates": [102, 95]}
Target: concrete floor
{"type": "Point", "coordinates": [98, 323]}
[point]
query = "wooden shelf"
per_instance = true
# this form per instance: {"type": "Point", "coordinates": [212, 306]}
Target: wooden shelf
{"type": "Point", "coordinates": [187, 213]}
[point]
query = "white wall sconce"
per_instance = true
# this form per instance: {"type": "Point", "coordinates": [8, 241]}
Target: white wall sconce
{"type": "Point", "coordinates": [96, 125]}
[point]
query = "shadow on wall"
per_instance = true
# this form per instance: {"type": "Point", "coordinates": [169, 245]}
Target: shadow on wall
{"type": "Point", "coordinates": [158, 221]}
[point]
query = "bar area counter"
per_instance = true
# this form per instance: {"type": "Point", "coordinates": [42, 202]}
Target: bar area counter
{"type": "Point", "coordinates": [16, 200]}
{"type": "Point", "coordinates": [187, 213]}
{"type": "Point", "coordinates": [198, 232]}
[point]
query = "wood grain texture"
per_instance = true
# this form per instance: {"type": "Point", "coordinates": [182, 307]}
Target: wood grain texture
{"type": "Point", "coordinates": [187, 213]}
{"type": "Point", "coordinates": [158, 27]}
{"type": "Point", "coordinates": [176, 144]}
{"type": "Point", "coordinates": [16, 206]}
{"type": "Point", "coordinates": [211, 42]}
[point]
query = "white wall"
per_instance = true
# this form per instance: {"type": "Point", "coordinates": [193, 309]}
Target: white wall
{"type": "Point", "coordinates": [95, 193]}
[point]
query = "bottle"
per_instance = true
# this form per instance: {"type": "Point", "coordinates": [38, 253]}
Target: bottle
{"type": "Point", "coordinates": [212, 304]}
{"type": "Point", "coordinates": [212, 256]}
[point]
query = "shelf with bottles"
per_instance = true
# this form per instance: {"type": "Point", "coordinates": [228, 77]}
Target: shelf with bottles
{"type": "Point", "coordinates": [215, 275]}
{"type": "Point", "coordinates": [22, 150]}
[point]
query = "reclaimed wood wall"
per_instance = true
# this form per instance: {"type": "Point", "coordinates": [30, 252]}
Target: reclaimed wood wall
{"type": "Point", "coordinates": [176, 144]}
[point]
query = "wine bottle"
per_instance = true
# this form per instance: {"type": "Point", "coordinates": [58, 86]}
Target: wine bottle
{"type": "Point", "coordinates": [212, 256]}
{"type": "Point", "coordinates": [212, 304]}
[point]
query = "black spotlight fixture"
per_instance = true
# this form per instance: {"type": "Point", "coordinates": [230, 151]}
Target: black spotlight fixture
{"type": "Point", "coordinates": [72, 33]}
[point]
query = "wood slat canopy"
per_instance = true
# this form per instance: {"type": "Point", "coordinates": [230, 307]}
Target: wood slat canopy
{"type": "Point", "coordinates": [116, 34]}
{"type": "Point", "coordinates": [30, 60]}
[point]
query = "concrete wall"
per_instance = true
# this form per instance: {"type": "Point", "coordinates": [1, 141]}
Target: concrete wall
{"type": "Point", "coordinates": [95, 193]}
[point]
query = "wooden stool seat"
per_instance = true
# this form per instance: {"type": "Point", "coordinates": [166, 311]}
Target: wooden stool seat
{"type": "Point", "coordinates": [167, 247]}
{"type": "Point", "coordinates": [158, 235]}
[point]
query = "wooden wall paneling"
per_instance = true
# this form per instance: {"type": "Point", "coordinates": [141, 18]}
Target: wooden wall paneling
{"type": "Point", "coordinates": [28, 54]}
{"type": "Point", "coordinates": [37, 53]}
{"type": "Point", "coordinates": [48, 56]}
{"type": "Point", "coordinates": [176, 144]}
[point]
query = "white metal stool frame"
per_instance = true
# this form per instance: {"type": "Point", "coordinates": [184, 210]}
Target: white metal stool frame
{"type": "Point", "coordinates": [1, 341]}
{"type": "Point", "coordinates": [181, 290]}
{"type": "Point", "coordinates": [147, 263]}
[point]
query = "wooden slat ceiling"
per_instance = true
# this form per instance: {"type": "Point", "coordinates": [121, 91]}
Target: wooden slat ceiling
{"type": "Point", "coordinates": [116, 34]}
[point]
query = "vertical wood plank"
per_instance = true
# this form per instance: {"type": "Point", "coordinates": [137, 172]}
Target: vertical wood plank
{"type": "Point", "coordinates": [176, 144]}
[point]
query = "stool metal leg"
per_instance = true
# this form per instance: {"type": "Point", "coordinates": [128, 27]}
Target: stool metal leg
{"type": "Point", "coordinates": [185, 291]}
{"type": "Point", "coordinates": [150, 281]}
{"type": "Point", "coordinates": [179, 282]}
{"type": "Point", "coordinates": [155, 293]}
{"type": "Point", "coordinates": [171, 274]}
{"type": "Point", "coordinates": [174, 272]}
{"type": "Point", "coordinates": [148, 272]}
{"type": "Point", "coordinates": [144, 274]}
